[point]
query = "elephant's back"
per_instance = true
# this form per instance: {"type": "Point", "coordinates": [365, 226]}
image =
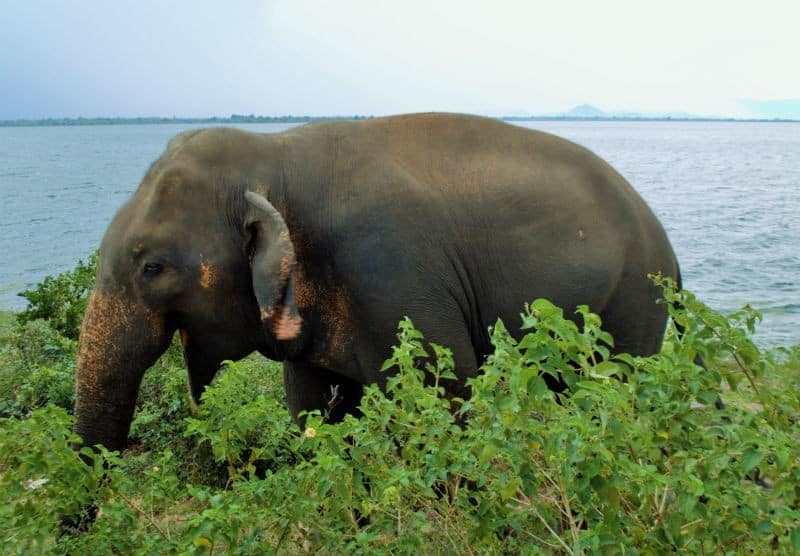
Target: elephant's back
{"type": "Point", "coordinates": [427, 139]}
{"type": "Point", "coordinates": [464, 219]}
{"type": "Point", "coordinates": [474, 183]}
{"type": "Point", "coordinates": [449, 155]}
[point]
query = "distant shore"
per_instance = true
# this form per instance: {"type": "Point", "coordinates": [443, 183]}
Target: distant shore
{"type": "Point", "coordinates": [252, 119]}
{"type": "Point", "coordinates": [234, 119]}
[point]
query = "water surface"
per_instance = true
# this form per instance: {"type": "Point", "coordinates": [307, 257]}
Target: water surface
{"type": "Point", "coordinates": [728, 194]}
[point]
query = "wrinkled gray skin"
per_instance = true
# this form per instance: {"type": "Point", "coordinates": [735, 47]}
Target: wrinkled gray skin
{"type": "Point", "coordinates": [452, 220]}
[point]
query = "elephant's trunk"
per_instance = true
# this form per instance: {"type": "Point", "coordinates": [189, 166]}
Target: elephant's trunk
{"type": "Point", "coordinates": [118, 342]}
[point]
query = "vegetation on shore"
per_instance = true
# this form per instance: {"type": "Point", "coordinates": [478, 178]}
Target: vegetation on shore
{"type": "Point", "coordinates": [640, 465]}
{"type": "Point", "coordinates": [232, 119]}
{"type": "Point", "coordinates": [253, 119]}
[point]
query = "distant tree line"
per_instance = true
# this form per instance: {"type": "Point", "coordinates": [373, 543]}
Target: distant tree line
{"type": "Point", "coordinates": [290, 119]}
{"type": "Point", "coordinates": [233, 119]}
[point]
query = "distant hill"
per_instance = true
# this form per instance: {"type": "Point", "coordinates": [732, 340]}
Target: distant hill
{"type": "Point", "coordinates": [591, 112]}
{"type": "Point", "coordinates": [585, 111]}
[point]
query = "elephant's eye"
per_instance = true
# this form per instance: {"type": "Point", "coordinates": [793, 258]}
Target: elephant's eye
{"type": "Point", "coordinates": [152, 269]}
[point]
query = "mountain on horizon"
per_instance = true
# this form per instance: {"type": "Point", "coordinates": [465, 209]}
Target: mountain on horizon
{"type": "Point", "coordinates": [585, 111]}
{"type": "Point", "coordinates": [788, 109]}
{"type": "Point", "coordinates": [588, 111]}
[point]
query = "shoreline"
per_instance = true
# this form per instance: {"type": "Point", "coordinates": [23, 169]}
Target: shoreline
{"type": "Point", "coordinates": [236, 119]}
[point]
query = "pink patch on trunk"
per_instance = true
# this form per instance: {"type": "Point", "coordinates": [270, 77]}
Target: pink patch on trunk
{"type": "Point", "coordinates": [287, 327]}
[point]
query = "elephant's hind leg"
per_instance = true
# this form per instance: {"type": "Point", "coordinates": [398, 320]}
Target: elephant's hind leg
{"type": "Point", "coordinates": [309, 387]}
{"type": "Point", "coordinates": [637, 322]}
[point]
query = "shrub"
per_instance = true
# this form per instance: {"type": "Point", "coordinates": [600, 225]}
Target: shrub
{"type": "Point", "coordinates": [61, 300]}
{"type": "Point", "coordinates": [37, 352]}
{"type": "Point", "coordinates": [213, 439]}
{"type": "Point", "coordinates": [42, 478]}
{"type": "Point", "coordinates": [243, 425]}
{"type": "Point", "coordinates": [7, 321]}
{"type": "Point", "coordinates": [37, 367]}
{"type": "Point", "coordinates": [635, 458]}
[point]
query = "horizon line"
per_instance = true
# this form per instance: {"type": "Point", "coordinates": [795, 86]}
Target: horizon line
{"type": "Point", "coordinates": [251, 118]}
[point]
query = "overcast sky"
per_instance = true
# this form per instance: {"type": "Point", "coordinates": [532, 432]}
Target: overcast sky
{"type": "Point", "coordinates": [203, 58]}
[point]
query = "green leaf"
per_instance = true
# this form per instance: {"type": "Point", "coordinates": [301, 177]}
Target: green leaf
{"type": "Point", "coordinates": [794, 536]}
{"type": "Point", "coordinates": [751, 458]}
{"type": "Point", "coordinates": [606, 369]}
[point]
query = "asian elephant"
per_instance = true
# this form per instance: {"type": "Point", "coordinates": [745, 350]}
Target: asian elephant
{"type": "Point", "coordinates": [310, 245]}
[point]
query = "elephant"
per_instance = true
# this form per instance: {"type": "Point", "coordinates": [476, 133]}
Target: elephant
{"type": "Point", "coordinates": [310, 245]}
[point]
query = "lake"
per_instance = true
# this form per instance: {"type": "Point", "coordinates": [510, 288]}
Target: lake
{"type": "Point", "coordinates": [728, 194]}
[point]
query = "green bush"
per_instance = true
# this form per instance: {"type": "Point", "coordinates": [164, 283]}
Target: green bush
{"type": "Point", "coordinates": [241, 423]}
{"type": "Point", "coordinates": [7, 322]}
{"type": "Point", "coordinates": [166, 418]}
{"type": "Point", "coordinates": [635, 458]}
{"type": "Point", "coordinates": [42, 478]}
{"type": "Point", "coordinates": [38, 347]}
{"type": "Point", "coordinates": [37, 367]}
{"type": "Point", "coordinates": [61, 300]}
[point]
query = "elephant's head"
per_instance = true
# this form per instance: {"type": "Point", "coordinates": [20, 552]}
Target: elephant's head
{"type": "Point", "coordinates": [194, 251]}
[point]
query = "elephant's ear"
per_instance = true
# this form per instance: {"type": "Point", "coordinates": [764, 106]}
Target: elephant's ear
{"type": "Point", "coordinates": [272, 268]}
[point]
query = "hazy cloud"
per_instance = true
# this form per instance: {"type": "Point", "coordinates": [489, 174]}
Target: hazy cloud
{"type": "Point", "coordinates": [100, 58]}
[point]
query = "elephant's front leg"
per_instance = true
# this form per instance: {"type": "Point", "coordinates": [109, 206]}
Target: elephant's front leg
{"type": "Point", "coordinates": [309, 387]}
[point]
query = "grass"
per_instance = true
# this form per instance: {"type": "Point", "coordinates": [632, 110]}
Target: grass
{"type": "Point", "coordinates": [7, 321]}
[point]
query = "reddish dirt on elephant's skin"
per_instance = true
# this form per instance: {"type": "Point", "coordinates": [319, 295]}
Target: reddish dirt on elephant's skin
{"type": "Point", "coordinates": [207, 275]}
{"type": "Point", "coordinates": [333, 306]}
{"type": "Point", "coordinates": [106, 316]}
